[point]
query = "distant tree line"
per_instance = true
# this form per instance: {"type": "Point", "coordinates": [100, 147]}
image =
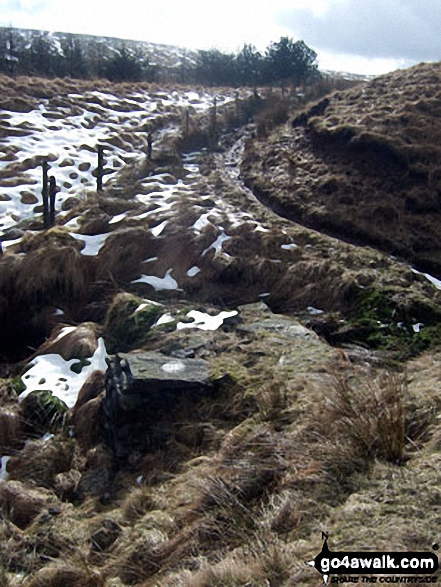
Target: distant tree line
{"type": "Point", "coordinates": [42, 54]}
{"type": "Point", "coordinates": [284, 62]}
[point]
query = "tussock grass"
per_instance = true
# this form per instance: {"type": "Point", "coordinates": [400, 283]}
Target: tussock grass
{"type": "Point", "coordinates": [370, 415]}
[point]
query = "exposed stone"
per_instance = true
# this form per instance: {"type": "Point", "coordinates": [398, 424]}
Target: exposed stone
{"type": "Point", "coordinates": [86, 422]}
{"type": "Point", "coordinates": [286, 327]}
{"type": "Point", "coordinates": [143, 393]}
{"type": "Point", "coordinates": [65, 484]}
{"type": "Point", "coordinates": [71, 342]}
{"type": "Point", "coordinates": [92, 387]}
{"type": "Point", "coordinates": [97, 477]}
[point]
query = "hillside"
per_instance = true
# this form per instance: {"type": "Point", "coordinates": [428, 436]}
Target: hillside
{"type": "Point", "coordinates": [363, 165]}
{"type": "Point", "coordinates": [61, 54]}
{"type": "Point", "coordinates": [283, 367]}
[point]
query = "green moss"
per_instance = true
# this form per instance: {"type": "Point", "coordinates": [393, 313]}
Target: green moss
{"type": "Point", "coordinates": [43, 412]}
{"type": "Point", "coordinates": [384, 320]}
{"type": "Point", "coordinates": [127, 326]}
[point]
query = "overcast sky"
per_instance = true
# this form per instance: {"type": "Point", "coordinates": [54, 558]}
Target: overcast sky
{"type": "Point", "coordinates": [361, 36]}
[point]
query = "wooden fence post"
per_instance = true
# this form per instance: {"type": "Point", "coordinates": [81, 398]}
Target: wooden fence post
{"type": "Point", "coordinates": [45, 194]}
{"type": "Point", "coordinates": [100, 170]}
{"type": "Point", "coordinates": [52, 196]}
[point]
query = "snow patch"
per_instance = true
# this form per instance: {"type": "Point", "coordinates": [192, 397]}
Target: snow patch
{"type": "Point", "coordinates": [217, 245]}
{"type": "Point", "coordinates": [193, 271]}
{"type": "Point", "coordinates": [93, 243]}
{"type": "Point", "coordinates": [53, 373]}
{"type": "Point", "coordinates": [205, 321]}
{"type": "Point", "coordinates": [159, 283]}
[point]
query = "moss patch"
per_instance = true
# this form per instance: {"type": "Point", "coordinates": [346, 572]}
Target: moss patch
{"type": "Point", "coordinates": [128, 322]}
{"type": "Point", "coordinates": [387, 320]}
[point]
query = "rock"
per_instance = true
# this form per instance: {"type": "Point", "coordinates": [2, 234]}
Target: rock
{"type": "Point", "coordinates": [70, 342]}
{"type": "Point", "coordinates": [22, 504]}
{"type": "Point", "coordinates": [154, 372]}
{"type": "Point", "coordinates": [96, 480]}
{"type": "Point", "coordinates": [65, 485]}
{"type": "Point", "coordinates": [86, 422]}
{"type": "Point", "coordinates": [92, 387]}
{"type": "Point", "coordinates": [144, 394]}
{"type": "Point", "coordinates": [285, 327]}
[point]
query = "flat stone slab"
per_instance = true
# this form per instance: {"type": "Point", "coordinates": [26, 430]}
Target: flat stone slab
{"type": "Point", "coordinates": [283, 327]}
{"type": "Point", "coordinates": [155, 372]}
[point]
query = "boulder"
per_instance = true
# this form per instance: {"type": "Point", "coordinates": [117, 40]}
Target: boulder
{"type": "Point", "coordinates": [91, 389]}
{"type": "Point", "coordinates": [71, 342]}
{"type": "Point", "coordinates": [96, 479]}
{"type": "Point", "coordinates": [145, 394]}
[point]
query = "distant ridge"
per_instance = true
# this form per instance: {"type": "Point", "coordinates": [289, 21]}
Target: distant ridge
{"type": "Point", "coordinates": [170, 61]}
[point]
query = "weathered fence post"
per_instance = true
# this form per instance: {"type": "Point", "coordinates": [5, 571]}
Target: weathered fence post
{"type": "Point", "coordinates": [52, 196]}
{"type": "Point", "coordinates": [237, 107]}
{"type": "Point", "coordinates": [100, 170]}
{"type": "Point", "coordinates": [187, 121]}
{"type": "Point", "coordinates": [45, 194]}
{"type": "Point", "coordinates": [213, 124]}
{"type": "Point", "coordinates": [149, 146]}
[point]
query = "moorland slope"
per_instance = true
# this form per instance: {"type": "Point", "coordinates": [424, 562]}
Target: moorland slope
{"type": "Point", "coordinates": [316, 403]}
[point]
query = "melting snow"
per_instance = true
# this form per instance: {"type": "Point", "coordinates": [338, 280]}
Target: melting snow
{"type": "Point", "coordinates": [314, 311]}
{"type": "Point", "coordinates": [193, 271]}
{"type": "Point", "coordinates": [159, 283]}
{"type": "Point", "coordinates": [116, 219]}
{"type": "Point", "coordinates": [93, 243]}
{"type": "Point", "coordinates": [64, 332]}
{"type": "Point", "coordinates": [217, 245]}
{"type": "Point", "coordinates": [436, 282]}
{"type": "Point", "coordinates": [205, 321]}
{"type": "Point", "coordinates": [3, 472]}
{"type": "Point", "coordinates": [158, 229]}
{"type": "Point", "coordinates": [164, 319]}
{"type": "Point", "coordinates": [53, 373]}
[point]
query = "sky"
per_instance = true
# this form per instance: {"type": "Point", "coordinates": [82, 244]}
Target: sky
{"type": "Point", "coordinates": [359, 36]}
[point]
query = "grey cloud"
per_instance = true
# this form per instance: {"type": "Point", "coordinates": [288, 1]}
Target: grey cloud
{"type": "Point", "coordinates": [396, 29]}
{"type": "Point", "coordinates": [18, 6]}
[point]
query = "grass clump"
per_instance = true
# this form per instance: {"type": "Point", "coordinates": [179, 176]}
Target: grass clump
{"type": "Point", "coordinates": [128, 323]}
{"type": "Point", "coordinates": [370, 415]}
{"type": "Point", "coordinates": [43, 412]}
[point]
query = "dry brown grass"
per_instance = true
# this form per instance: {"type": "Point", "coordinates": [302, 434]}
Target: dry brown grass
{"type": "Point", "coordinates": [370, 414]}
